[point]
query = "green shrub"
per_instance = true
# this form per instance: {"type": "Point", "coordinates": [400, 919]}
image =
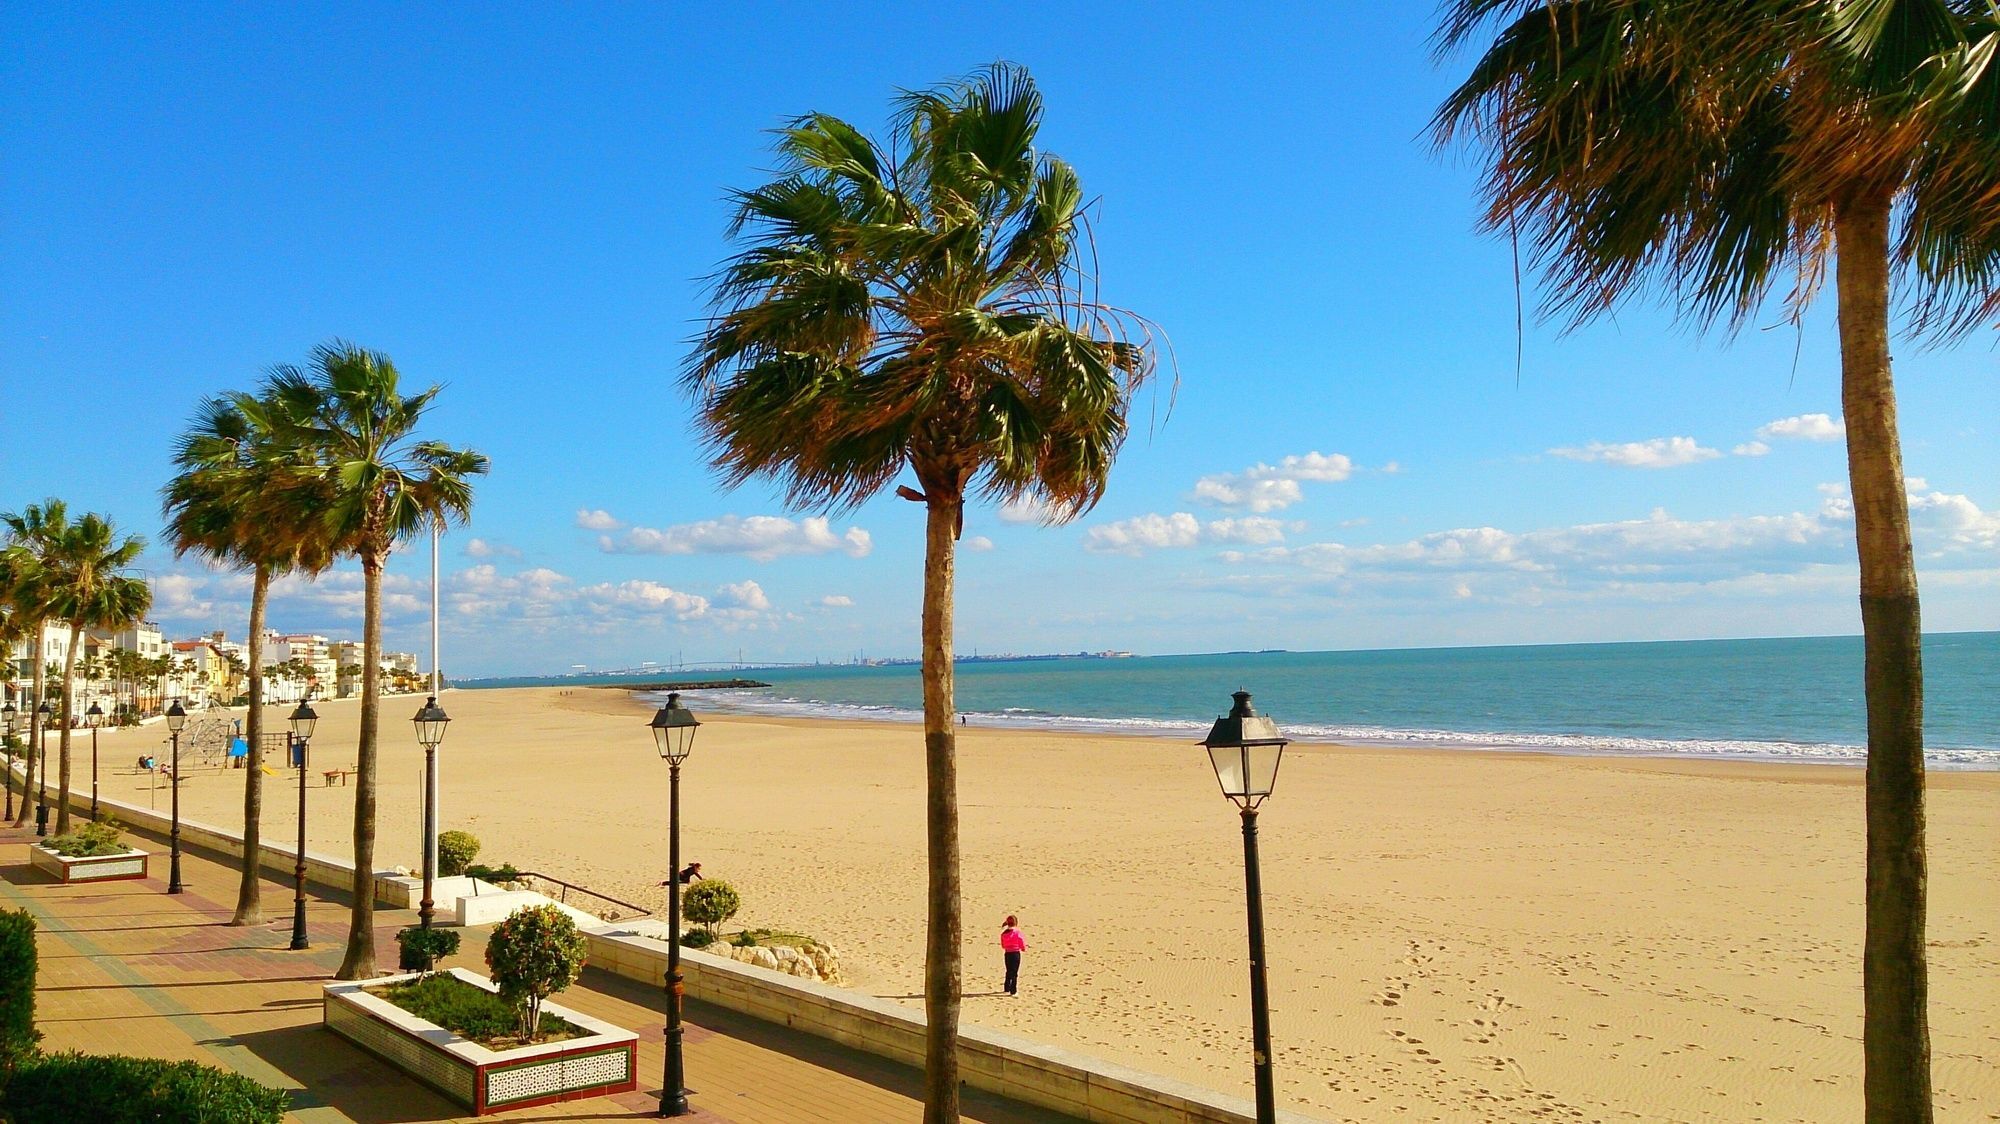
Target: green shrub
{"type": "Point", "coordinates": [710, 902]}
{"type": "Point", "coordinates": [17, 990]}
{"type": "Point", "coordinates": [536, 952]}
{"type": "Point", "coordinates": [456, 850]}
{"type": "Point", "coordinates": [697, 938]}
{"type": "Point", "coordinates": [108, 1089]}
{"type": "Point", "coordinates": [465, 1010]}
{"type": "Point", "coordinates": [505, 872]}
{"type": "Point", "coordinates": [89, 839]}
{"type": "Point", "coordinates": [422, 948]}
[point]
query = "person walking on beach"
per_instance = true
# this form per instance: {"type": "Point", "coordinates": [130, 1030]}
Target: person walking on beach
{"type": "Point", "coordinates": [690, 873]}
{"type": "Point", "coordinates": [1012, 944]}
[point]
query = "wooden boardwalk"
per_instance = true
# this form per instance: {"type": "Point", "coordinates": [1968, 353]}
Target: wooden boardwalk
{"type": "Point", "coordinates": [127, 968]}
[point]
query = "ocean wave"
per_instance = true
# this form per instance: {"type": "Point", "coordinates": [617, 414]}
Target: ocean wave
{"type": "Point", "coordinates": [780, 706]}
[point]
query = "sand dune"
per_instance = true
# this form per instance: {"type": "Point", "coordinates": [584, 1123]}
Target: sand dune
{"type": "Point", "coordinates": [1456, 936]}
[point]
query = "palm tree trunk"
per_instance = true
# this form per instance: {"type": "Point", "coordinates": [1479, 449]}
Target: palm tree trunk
{"type": "Point", "coordinates": [942, 951]}
{"type": "Point", "coordinates": [249, 892]}
{"type": "Point", "coordinates": [360, 961]}
{"type": "Point", "coordinates": [34, 721]}
{"type": "Point", "coordinates": [68, 720]}
{"type": "Point", "coordinates": [1895, 1031]}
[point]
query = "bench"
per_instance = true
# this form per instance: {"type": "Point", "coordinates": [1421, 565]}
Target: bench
{"type": "Point", "coordinates": [343, 774]}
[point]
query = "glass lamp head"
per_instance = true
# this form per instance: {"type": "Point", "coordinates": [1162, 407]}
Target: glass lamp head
{"type": "Point", "coordinates": [303, 719]}
{"type": "Point", "coordinates": [1245, 749]}
{"type": "Point", "coordinates": [177, 717]}
{"type": "Point", "coordinates": [673, 729]}
{"type": "Point", "coordinates": [9, 716]}
{"type": "Point", "coordinates": [430, 723]}
{"type": "Point", "coordinates": [94, 716]}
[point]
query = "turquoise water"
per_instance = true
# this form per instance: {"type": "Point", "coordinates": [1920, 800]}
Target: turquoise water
{"type": "Point", "coordinates": [1795, 699]}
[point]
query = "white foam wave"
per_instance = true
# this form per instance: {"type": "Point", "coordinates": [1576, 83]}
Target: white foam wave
{"type": "Point", "coordinates": [742, 702]}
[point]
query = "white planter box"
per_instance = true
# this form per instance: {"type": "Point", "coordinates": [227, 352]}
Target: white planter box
{"type": "Point", "coordinates": [605, 1060]}
{"type": "Point", "coordinates": [94, 868]}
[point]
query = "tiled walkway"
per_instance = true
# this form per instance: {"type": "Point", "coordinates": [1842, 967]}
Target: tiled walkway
{"type": "Point", "coordinates": [128, 968]}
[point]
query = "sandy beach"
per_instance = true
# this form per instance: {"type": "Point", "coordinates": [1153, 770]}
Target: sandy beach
{"type": "Point", "coordinates": [1455, 935]}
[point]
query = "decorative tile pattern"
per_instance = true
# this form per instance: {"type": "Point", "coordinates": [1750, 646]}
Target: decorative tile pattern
{"type": "Point", "coordinates": [430, 1066]}
{"type": "Point", "coordinates": [546, 1079]}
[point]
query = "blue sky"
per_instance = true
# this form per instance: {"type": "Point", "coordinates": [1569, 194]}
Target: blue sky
{"type": "Point", "coordinates": [521, 203]}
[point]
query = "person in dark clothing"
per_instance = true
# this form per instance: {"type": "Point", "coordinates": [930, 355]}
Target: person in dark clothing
{"type": "Point", "coordinates": [689, 873]}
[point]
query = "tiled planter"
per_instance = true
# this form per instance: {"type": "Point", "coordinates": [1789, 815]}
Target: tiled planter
{"type": "Point", "coordinates": [93, 868]}
{"type": "Point", "coordinates": [603, 1061]}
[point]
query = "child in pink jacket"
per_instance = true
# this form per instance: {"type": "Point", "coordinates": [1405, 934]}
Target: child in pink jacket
{"type": "Point", "coordinates": [1012, 944]}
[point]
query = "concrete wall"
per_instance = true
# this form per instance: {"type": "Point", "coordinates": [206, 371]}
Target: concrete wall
{"type": "Point", "coordinates": [991, 1060]}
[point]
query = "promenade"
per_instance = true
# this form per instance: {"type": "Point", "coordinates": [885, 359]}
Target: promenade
{"type": "Point", "coordinates": [127, 968]}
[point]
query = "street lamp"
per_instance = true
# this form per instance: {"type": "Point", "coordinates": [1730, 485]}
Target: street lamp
{"type": "Point", "coordinates": [673, 732]}
{"type": "Point", "coordinates": [1245, 749]}
{"type": "Point", "coordinates": [430, 723]}
{"type": "Point", "coordinates": [303, 720]}
{"type": "Point", "coordinates": [8, 717]}
{"type": "Point", "coordinates": [94, 716]}
{"type": "Point", "coordinates": [41, 750]}
{"type": "Point", "coordinates": [176, 718]}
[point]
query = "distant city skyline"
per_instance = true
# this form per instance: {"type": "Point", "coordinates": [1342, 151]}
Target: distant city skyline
{"type": "Point", "coordinates": [522, 205]}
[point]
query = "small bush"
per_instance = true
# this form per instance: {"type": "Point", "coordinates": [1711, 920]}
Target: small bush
{"type": "Point", "coordinates": [456, 850]}
{"type": "Point", "coordinates": [89, 839]}
{"type": "Point", "coordinates": [17, 990]}
{"type": "Point", "coordinates": [697, 938]}
{"type": "Point", "coordinates": [467, 1011]}
{"type": "Point", "coordinates": [744, 939]}
{"type": "Point", "coordinates": [536, 952]}
{"type": "Point", "coordinates": [505, 872]}
{"type": "Point", "coordinates": [710, 902]}
{"type": "Point", "coordinates": [422, 948]}
{"type": "Point", "coordinates": [108, 1089]}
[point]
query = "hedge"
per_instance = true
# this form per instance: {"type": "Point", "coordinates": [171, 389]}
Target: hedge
{"type": "Point", "coordinates": [17, 989]}
{"type": "Point", "coordinates": [68, 1088]}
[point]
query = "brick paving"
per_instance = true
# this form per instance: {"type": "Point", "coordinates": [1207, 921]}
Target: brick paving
{"type": "Point", "coordinates": [127, 968]}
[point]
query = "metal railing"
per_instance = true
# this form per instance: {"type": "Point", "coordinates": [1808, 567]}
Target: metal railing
{"type": "Point", "coordinates": [625, 910]}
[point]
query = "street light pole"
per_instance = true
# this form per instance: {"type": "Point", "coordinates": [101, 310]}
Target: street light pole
{"type": "Point", "coordinates": [8, 716]}
{"type": "Point", "coordinates": [1246, 749]}
{"type": "Point", "coordinates": [41, 751]}
{"type": "Point", "coordinates": [176, 718]}
{"type": "Point", "coordinates": [95, 716]}
{"type": "Point", "coordinates": [430, 723]}
{"type": "Point", "coordinates": [673, 732]}
{"type": "Point", "coordinates": [302, 721]}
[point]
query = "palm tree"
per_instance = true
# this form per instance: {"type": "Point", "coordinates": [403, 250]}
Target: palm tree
{"type": "Point", "coordinates": [924, 305]}
{"type": "Point", "coordinates": [82, 583]}
{"type": "Point", "coordinates": [25, 593]}
{"type": "Point", "coordinates": [237, 501]}
{"type": "Point", "coordinates": [13, 630]}
{"type": "Point", "coordinates": [1711, 147]}
{"type": "Point", "coordinates": [383, 485]}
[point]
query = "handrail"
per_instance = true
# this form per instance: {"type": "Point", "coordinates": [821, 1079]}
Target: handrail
{"type": "Point", "coordinates": [639, 910]}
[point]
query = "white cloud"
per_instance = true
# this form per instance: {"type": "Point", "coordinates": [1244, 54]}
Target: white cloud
{"type": "Point", "coordinates": [649, 598]}
{"type": "Point", "coordinates": [178, 596]}
{"type": "Point", "coordinates": [1026, 509]}
{"type": "Point", "coordinates": [978, 544]}
{"type": "Point", "coordinates": [837, 601]}
{"type": "Point", "coordinates": [1659, 452]}
{"type": "Point", "coordinates": [597, 520]}
{"type": "Point", "coordinates": [759, 537]}
{"type": "Point", "coordinates": [743, 595]}
{"type": "Point", "coordinates": [1750, 449]}
{"type": "Point", "coordinates": [482, 548]}
{"type": "Point", "coordinates": [1264, 487]}
{"type": "Point", "coordinates": [1804, 427]}
{"type": "Point", "coordinates": [1181, 529]}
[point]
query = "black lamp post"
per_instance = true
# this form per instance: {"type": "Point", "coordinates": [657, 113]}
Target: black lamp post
{"type": "Point", "coordinates": [176, 718]}
{"type": "Point", "coordinates": [303, 720]}
{"type": "Point", "coordinates": [41, 751]}
{"type": "Point", "coordinates": [94, 716]}
{"type": "Point", "coordinates": [430, 722]}
{"type": "Point", "coordinates": [673, 732]}
{"type": "Point", "coordinates": [8, 717]}
{"type": "Point", "coordinates": [1245, 749]}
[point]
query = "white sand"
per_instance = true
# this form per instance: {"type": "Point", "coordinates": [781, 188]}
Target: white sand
{"type": "Point", "coordinates": [1455, 936]}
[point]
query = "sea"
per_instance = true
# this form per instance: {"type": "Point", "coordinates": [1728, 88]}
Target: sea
{"type": "Point", "coordinates": [1787, 699]}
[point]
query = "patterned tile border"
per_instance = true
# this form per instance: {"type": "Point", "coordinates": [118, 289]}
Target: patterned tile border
{"type": "Point", "coordinates": [91, 868]}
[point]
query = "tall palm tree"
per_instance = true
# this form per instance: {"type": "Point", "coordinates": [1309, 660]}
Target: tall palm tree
{"type": "Point", "coordinates": [924, 305]}
{"type": "Point", "coordinates": [1711, 147]}
{"type": "Point", "coordinates": [13, 630]}
{"type": "Point", "coordinates": [383, 484]}
{"type": "Point", "coordinates": [82, 583]}
{"type": "Point", "coordinates": [238, 501]}
{"type": "Point", "coordinates": [25, 593]}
